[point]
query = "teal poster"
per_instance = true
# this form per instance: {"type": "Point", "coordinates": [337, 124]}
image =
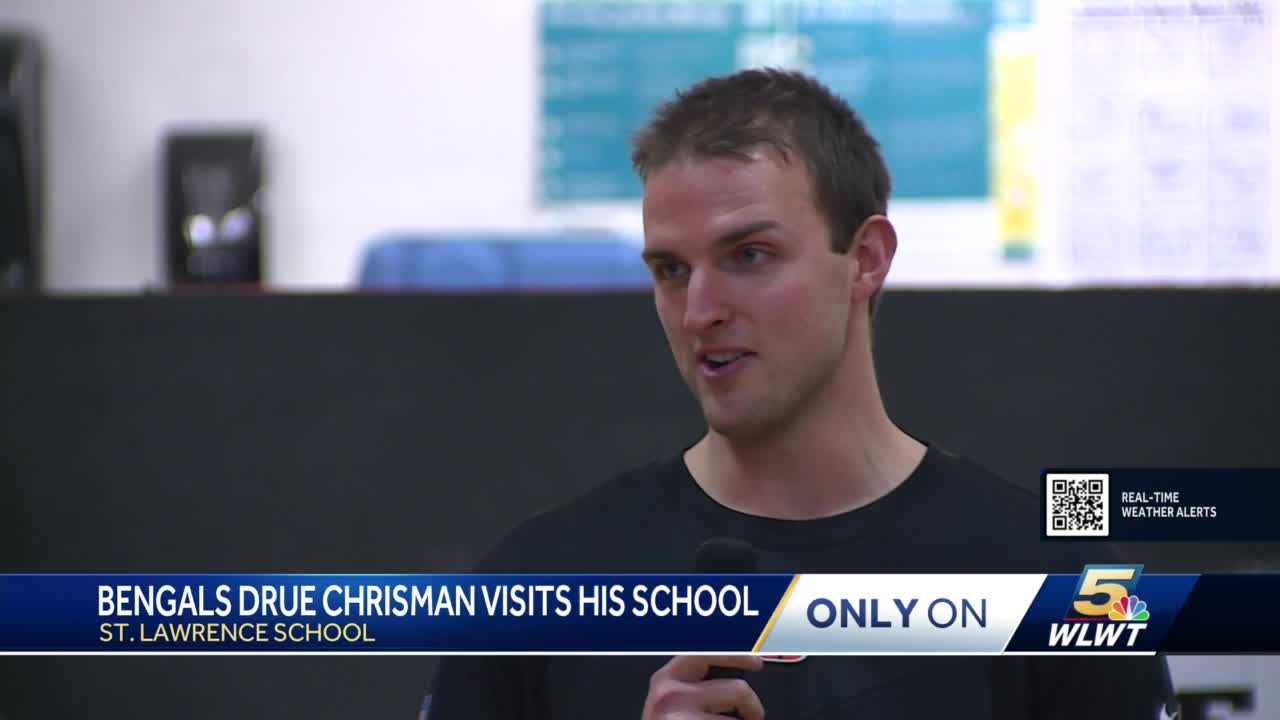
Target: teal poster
{"type": "Point", "coordinates": [917, 71]}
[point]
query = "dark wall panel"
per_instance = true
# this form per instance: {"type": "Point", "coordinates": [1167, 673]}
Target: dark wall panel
{"type": "Point", "coordinates": [405, 433]}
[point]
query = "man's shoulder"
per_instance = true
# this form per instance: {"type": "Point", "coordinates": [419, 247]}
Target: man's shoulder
{"type": "Point", "coordinates": [1001, 519]}
{"type": "Point", "coordinates": [964, 494]}
{"type": "Point", "coordinates": [587, 531]}
{"type": "Point", "coordinates": [970, 484]}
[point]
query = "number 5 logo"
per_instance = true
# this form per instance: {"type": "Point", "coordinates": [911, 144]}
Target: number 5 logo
{"type": "Point", "coordinates": [1101, 585]}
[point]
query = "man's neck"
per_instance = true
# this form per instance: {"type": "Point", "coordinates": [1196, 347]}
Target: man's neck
{"type": "Point", "coordinates": [836, 461]}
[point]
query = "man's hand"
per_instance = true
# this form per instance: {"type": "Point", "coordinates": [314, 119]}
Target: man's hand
{"type": "Point", "coordinates": [678, 690]}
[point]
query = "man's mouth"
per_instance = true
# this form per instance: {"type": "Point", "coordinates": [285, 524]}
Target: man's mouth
{"type": "Point", "coordinates": [718, 362]}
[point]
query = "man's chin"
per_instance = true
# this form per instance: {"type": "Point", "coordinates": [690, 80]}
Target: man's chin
{"type": "Point", "coordinates": [736, 426]}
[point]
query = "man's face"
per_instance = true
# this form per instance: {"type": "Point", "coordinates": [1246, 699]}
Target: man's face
{"type": "Point", "coordinates": [754, 303]}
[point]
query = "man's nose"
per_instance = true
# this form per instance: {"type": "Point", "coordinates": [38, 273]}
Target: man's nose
{"type": "Point", "coordinates": [705, 302]}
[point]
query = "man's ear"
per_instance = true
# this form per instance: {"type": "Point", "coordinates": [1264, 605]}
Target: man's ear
{"type": "Point", "coordinates": [873, 247]}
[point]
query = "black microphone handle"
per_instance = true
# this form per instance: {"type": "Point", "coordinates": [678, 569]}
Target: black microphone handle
{"type": "Point", "coordinates": [717, 672]}
{"type": "Point", "coordinates": [726, 556]}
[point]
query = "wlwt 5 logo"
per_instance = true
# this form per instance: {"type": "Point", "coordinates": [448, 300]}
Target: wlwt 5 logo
{"type": "Point", "coordinates": [1105, 610]}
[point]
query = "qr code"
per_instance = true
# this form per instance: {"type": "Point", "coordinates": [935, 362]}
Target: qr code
{"type": "Point", "coordinates": [1076, 504]}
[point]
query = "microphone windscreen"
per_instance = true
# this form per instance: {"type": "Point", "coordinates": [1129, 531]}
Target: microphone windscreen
{"type": "Point", "coordinates": [727, 556]}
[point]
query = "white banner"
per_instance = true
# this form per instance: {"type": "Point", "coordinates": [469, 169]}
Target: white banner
{"type": "Point", "coordinates": [899, 614]}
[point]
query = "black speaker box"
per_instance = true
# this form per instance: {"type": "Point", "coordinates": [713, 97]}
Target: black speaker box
{"type": "Point", "coordinates": [21, 167]}
{"type": "Point", "coordinates": [213, 215]}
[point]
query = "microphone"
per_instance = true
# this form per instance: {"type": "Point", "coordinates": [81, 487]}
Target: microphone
{"type": "Point", "coordinates": [727, 556]}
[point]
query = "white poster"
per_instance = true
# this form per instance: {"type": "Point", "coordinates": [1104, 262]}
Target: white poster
{"type": "Point", "coordinates": [1168, 170]}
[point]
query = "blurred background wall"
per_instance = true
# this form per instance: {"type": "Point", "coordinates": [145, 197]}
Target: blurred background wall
{"type": "Point", "coordinates": [424, 115]}
{"type": "Point", "coordinates": [394, 113]}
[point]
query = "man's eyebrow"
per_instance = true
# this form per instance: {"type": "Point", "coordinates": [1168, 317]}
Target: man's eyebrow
{"type": "Point", "coordinates": [728, 238]}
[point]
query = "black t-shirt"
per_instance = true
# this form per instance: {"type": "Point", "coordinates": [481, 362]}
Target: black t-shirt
{"type": "Point", "coordinates": [950, 515]}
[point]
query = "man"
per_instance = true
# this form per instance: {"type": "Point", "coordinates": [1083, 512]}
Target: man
{"type": "Point", "coordinates": [765, 229]}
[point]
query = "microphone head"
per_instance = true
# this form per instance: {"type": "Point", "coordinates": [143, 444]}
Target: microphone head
{"type": "Point", "coordinates": [727, 556]}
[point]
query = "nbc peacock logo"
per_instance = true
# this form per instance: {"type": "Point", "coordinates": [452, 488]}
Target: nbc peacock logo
{"type": "Point", "coordinates": [1129, 607]}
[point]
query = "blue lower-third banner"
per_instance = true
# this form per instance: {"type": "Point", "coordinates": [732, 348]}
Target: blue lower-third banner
{"type": "Point", "coordinates": [1103, 609]}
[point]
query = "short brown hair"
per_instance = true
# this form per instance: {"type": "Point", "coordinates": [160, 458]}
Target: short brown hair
{"type": "Point", "coordinates": [788, 111]}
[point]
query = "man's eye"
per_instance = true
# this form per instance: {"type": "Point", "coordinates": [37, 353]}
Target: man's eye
{"type": "Point", "coordinates": [669, 270]}
{"type": "Point", "coordinates": [750, 255]}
